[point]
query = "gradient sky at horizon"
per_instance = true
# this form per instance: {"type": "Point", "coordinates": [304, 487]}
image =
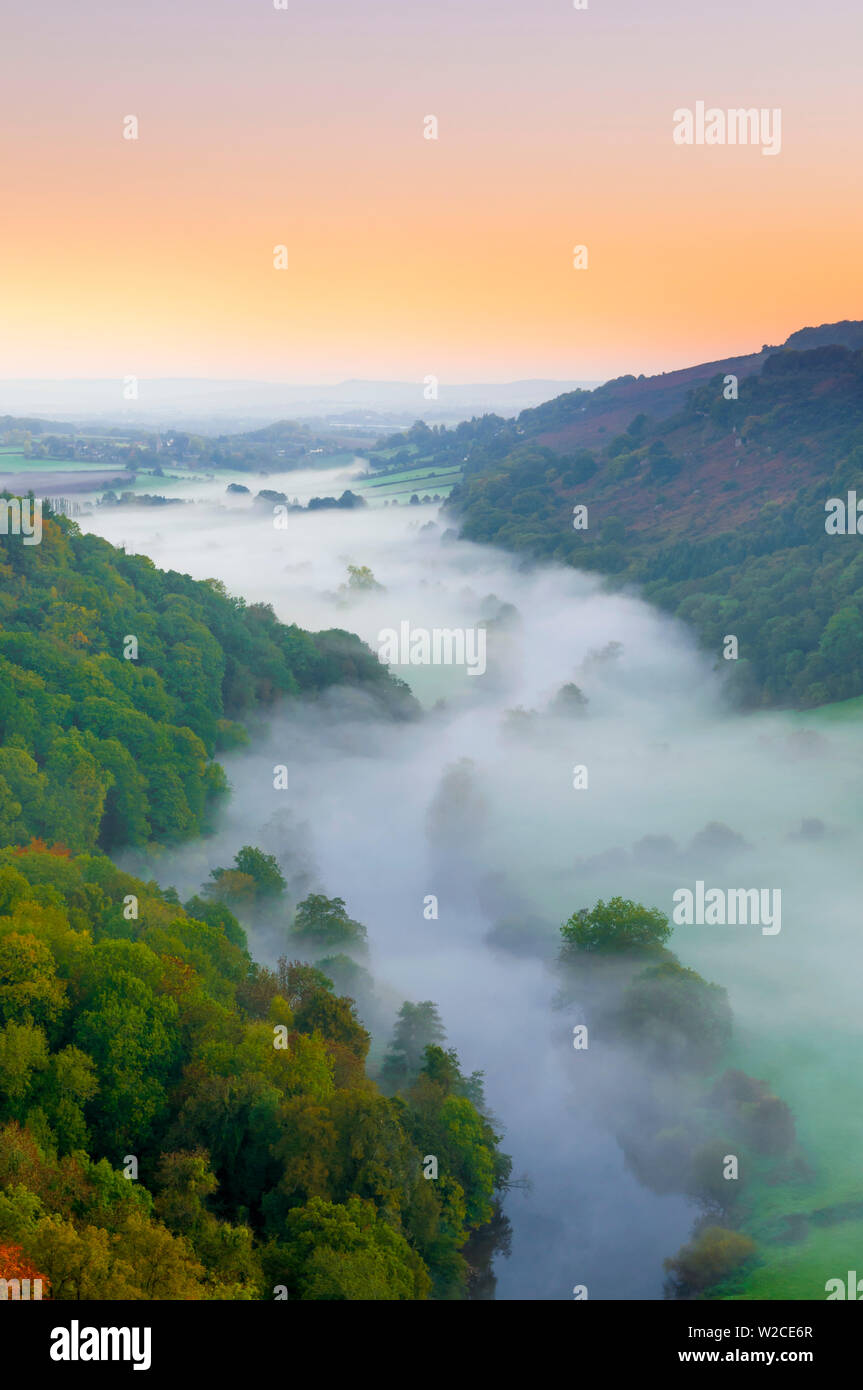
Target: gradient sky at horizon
{"type": "Point", "coordinates": [410, 256]}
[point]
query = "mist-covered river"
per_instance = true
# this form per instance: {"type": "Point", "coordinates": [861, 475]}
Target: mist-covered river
{"type": "Point", "coordinates": [679, 788]}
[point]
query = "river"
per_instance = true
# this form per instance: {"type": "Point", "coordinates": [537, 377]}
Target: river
{"type": "Point", "coordinates": [384, 815]}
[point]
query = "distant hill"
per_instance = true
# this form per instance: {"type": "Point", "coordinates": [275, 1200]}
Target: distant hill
{"type": "Point", "coordinates": [715, 505]}
{"type": "Point", "coordinates": [848, 333]}
{"type": "Point", "coordinates": [209, 406]}
{"type": "Point", "coordinates": [581, 418]}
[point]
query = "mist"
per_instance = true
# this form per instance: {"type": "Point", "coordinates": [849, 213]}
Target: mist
{"type": "Point", "coordinates": [680, 788]}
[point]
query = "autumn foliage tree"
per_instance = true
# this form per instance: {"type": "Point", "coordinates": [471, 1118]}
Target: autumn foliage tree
{"type": "Point", "coordinates": [14, 1264]}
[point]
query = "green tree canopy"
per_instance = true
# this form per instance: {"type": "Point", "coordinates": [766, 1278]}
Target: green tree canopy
{"type": "Point", "coordinates": [617, 926]}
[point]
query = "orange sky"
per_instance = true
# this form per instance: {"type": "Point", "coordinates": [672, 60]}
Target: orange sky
{"type": "Point", "coordinates": [410, 256]}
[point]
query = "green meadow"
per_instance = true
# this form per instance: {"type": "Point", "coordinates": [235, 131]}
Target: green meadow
{"type": "Point", "coordinates": [12, 461]}
{"type": "Point", "coordinates": [424, 481]}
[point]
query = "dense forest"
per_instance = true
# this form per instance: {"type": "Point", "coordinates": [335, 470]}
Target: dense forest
{"type": "Point", "coordinates": [119, 683]}
{"type": "Point", "coordinates": [177, 1121]}
{"type": "Point", "coordinates": [714, 508]}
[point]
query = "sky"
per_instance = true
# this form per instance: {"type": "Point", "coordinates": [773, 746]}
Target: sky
{"type": "Point", "coordinates": [408, 256]}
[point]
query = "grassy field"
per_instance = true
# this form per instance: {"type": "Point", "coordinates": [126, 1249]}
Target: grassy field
{"type": "Point", "coordinates": [401, 449]}
{"type": "Point", "coordinates": [810, 1229]}
{"type": "Point", "coordinates": [801, 1271]}
{"type": "Point", "coordinates": [842, 711]}
{"type": "Point", "coordinates": [423, 481]}
{"type": "Point", "coordinates": [410, 475]}
{"type": "Point", "coordinates": [11, 461]}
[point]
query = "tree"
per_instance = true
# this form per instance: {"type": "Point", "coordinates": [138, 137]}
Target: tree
{"type": "Point", "coordinates": [297, 981]}
{"type": "Point", "coordinates": [263, 868]}
{"type": "Point", "coordinates": [673, 1014]}
{"type": "Point", "coordinates": [333, 1016]}
{"type": "Point", "coordinates": [769, 1126]}
{"type": "Point", "coordinates": [125, 819]}
{"type": "Point", "coordinates": [29, 988]}
{"type": "Point", "coordinates": [417, 1027]}
{"type": "Point", "coordinates": [349, 978]}
{"type": "Point", "coordinates": [11, 827]}
{"type": "Point", "coordinates": [615, 927]}
{"type": "Point", "coordinates": [75, 816]}
{"type": "Point", "coordinates": [323, 922]}
{"type": "Point", "coordinates": [712, 1256]}
{"type": "Point", "coordinates": [347, 1252]}
{"type": "Point", "coordinates": [14, 1265]}
{"type": "Point", "coordinates": [63, 1092]}
{"type": "Point", "coordinates": [130, 1031]}
{"type": "Point", "coordinates": [255, 875]}
{"type": "Point", "coordinates": [217, 915]}
{"type": "Point", "coordinates": [764, 1121]}
{"type": "Point", "coordinates": [569, 700]}
{"type": "Point", "coordinates": [230, 886]}
{"type": "Point", "coordinates": [361, 580]}
{"type": "Point", "coordinates": [183, 1183]}
{"type": "Point", "coordinates": [459, 810]}
{"type": "Point", "coordinates": [447, 1122]}
{"type": "Point", "coordinates": [23, 1052]}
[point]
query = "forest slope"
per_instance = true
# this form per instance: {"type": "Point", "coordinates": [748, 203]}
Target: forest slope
{"type": "Point", "coordinates": [718, 510]}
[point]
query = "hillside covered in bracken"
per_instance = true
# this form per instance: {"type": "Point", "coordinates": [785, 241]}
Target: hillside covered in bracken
{"type": "Point", "coordinates": [708, 489]}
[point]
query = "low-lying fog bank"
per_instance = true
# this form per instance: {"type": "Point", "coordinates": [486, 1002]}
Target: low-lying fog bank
{"type": "Point", "coordinates": [679, 790]}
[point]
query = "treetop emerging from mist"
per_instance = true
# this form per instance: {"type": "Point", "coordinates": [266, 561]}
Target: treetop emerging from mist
{"type": "Point", "coordinates": [322, 921]}
{"type": "Point", "coordinates": [619, 925]}
{"type": "Point", "coordinates": [255, 875]}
